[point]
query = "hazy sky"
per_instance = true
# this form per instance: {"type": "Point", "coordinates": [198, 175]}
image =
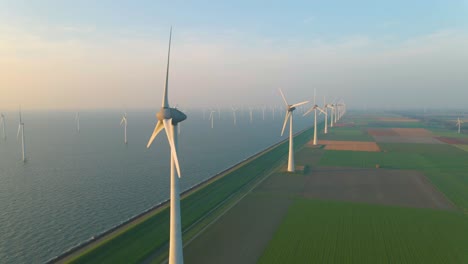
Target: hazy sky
{"type": "Point", "coordinates": [112, 54]}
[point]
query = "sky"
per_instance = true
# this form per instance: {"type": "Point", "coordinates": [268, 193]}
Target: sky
{"type": "Point", "coordinates": [112, 54]}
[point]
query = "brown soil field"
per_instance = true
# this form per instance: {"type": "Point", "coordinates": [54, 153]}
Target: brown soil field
{"type": "Point", "coordinates": [345, 124]}
{"type": "Point", "coordinates": [456, 141]}
{"type": "Point", "coordinates": [412, 132]}
{"type": "Point", "coordinates": [377, 186]}
{"type": "Point", "coordinates": [397, 119]}
{"type": "Point", "coordinates": [406, 139]}
{"type": "Point", "coordinates": [349, 145]}
{"type": "Point", "coordinates": [381, 132]}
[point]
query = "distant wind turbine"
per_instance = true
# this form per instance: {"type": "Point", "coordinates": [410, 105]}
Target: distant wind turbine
{"type": "Point", "coordinates": [124, 122]}
{"type": "Point", "coordinates": [459, 122]}
{"type": "Point", "coordinates": [23, 142]}
{"type": "Point", "coordinates": [289, 115]}
{"type": "Point", "coordinates": [273, 111]}
{"type": "Point", "coordinates": [212, 118]}
{"type": "Point", "coordinates": [234, 115]}
{"type": "Point", "coordinates": [263, 112]}
{"type": "Point", "coordinates": [251, 114]}
{"type": "Point", "coordinates": [314, 108]}
{"type": "Point", "coordinates": [77, 119]}
{"type": "Point", "coordinates": [2, 123]}
{"type": "Point", "coordinates": [168, 118]}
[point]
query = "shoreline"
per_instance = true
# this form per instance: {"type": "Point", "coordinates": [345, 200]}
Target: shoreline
{"type": "Point", "coordinates": [123, 226]}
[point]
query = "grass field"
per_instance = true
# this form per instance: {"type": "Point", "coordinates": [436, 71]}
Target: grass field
{"type": "Point", "coordinates": [333, 232]}
{"type": "Point", "coordinates": [346, 133]}
{"type": "Point", "coordinates": [143, 240]}
{"type": "Point", "coordinates": [445, 165]}
{"type": "Point", "coordinates": [462, 147]}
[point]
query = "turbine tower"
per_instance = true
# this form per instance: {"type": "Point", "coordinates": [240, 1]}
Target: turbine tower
{"type": "Point", "coordinates": [2, 123]}
{"type": "Point", "coordinates": [459, 122]}
{"type": "Point", "coordinates": [251, 114]}
{"type": "Point", "coordinates": [77, 119]}
{"type": "Point", "coordinates": [234, 115]}
{"type": "Point", "coordinates": [23, 142]}
{"type": "Point", "coordinates": [325, 106]}
{"type": "Point", "coordinates": [289, 115]}
{"type": "Point", "coordinates": [314, 108]}
{"type": "Point", "coordinates": [212, 118]}
{"type": "Point", "coordinates": [168, 118]}
{"type": "Point", "coordinates": [124, 122]}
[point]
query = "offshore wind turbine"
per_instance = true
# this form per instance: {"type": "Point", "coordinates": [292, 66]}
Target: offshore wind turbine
{"type": "Point", "coordinates": [273, 112]}
{"type": "Point", "coordinates": [251, 114]}
{"type": "Point", "coordinates": [2, 123]}
{"type": "Point", "coordinates": [289, 116]}
{"type": "Point", "coordinates": [263, 112]}
{"type": "Point", "coordinates": [168, 118]}
{"type": "Point", "coordinates": [459, 122]}
{"type": "Point", "coordinates": [124, 122]}
{"type": "Point", "coordinates": [23, 142]}
{"type": "Point", "coordinates": [234, 115]}
{"type": "Point", "coordinates": [77, 119]}
{"type": "Point", "coordinates": [212, 118]}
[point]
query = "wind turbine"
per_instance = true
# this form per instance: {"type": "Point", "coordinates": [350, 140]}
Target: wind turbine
{"type": "Point", "coordinates": [289, 115]}
{"type": "Point", "coordinates": [459, 122]}
{"type": "Point", "coordinates": [77, 119]}
{"type": "Point", "coordinates": [168, 118]}
{"type": "Point", "coordinates": [212, 117]}
{"type": "Point", "coordinates": [263, 112]}
{"type": "Point", "coordinates": [21, 129]}
{"type": "Point", "coordinates": [2, 123]}
{"type": "Point", "coordinates": [234, 115]}
{"type": "Point", "coordinates": [314, 108]}
{"type": "Point", "coordinates": [124, 122]}
{"type": "Point", "coordinates": [325, 106]}
{"type": "Point", "coordinates": [251, 114]}
{"type": "Point", "coordinates": [273, 111]}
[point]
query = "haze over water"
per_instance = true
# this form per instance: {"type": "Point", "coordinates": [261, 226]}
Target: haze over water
{"type": "Point", "coordinates": [75, 186]}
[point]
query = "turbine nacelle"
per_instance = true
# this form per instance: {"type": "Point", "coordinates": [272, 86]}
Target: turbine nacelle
{"type": "Point", "coordinates": [175, 114]}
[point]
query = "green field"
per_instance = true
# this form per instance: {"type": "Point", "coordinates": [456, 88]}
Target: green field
{"type": "Point", "coordinates": [317, 231]}
{"type": "Point", "coordinates": [143, 240]}
{"type": "Point", "coordinates": [347, 134]}
{"type": "Point", "coordinates": [463, 147]}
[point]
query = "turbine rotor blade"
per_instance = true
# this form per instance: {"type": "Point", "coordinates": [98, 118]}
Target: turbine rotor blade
{"type": "Point", "coordinates": [298, 104]}
{"type": "Point", "coordinates": [159, 126]}
{"type": "Point", "coordinates": [169, 133]}
{"type": "Point", "coordinates": [285, 121]}
{"type": "Point", "coordinates": [165, 102]}
{"type": "Point", "coordinates": [309, 111]}
{"type": "Point", "coordinates": [284, 98]}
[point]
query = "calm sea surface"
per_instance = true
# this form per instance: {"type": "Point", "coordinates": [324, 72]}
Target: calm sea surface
{"type": "Point", "coordinates": [77, 185]}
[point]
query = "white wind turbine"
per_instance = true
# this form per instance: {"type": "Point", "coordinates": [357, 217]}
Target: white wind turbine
{"type": "Point", "coordinates": [289, 115]}
{"type": "Point", "coordinates": [234, 115]}
{"type": "Point", "coordinates": [314, 108]}
{"type": "Point", "coordinates": [212, 118]}
{"type": "Point", "coordinates": [459, 122]}
{"type": "Point", "coordinates": [77, 119]}
{"type": "Point", "coordinates": [325, 106]}
{"type": "Point", "coordinates": [124, 122]}
{"type": "Point", "coordinates": [251, 114]}
{"type": "Point", "coordinates": [23, 142]}
{"type": "Point", "coordinates": [263, 112]}
{"type": "Point", "coordinates": [168, 118]}
{"type": "Point", "coordinates": [2, 123]}
{"type": "Point", "coordinates": [273, 111]}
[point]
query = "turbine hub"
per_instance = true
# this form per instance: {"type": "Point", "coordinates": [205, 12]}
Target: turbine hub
{"type": "Point", "coordinates": [171, 113]}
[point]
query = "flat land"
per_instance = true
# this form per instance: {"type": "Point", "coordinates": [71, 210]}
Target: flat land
{"type": "Point", "coordinates": [378, 186]}
{"type": "Point", "coordinates": [381, 132]}
{"type": "Point", "coordinates": [455, 141]}
{"type": "Point", "coordinates": [463, 147]}
{"type": "Point", "coordinates": [407, 139]}
{"type": "Point", "coordinates": [397, 119]}
{"type": "Point", "coordinates": [316, 231]}
{"type": "Point", "coordinates": [412, 132]}
{"type": "Point", "coordinates": [348, 145]}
